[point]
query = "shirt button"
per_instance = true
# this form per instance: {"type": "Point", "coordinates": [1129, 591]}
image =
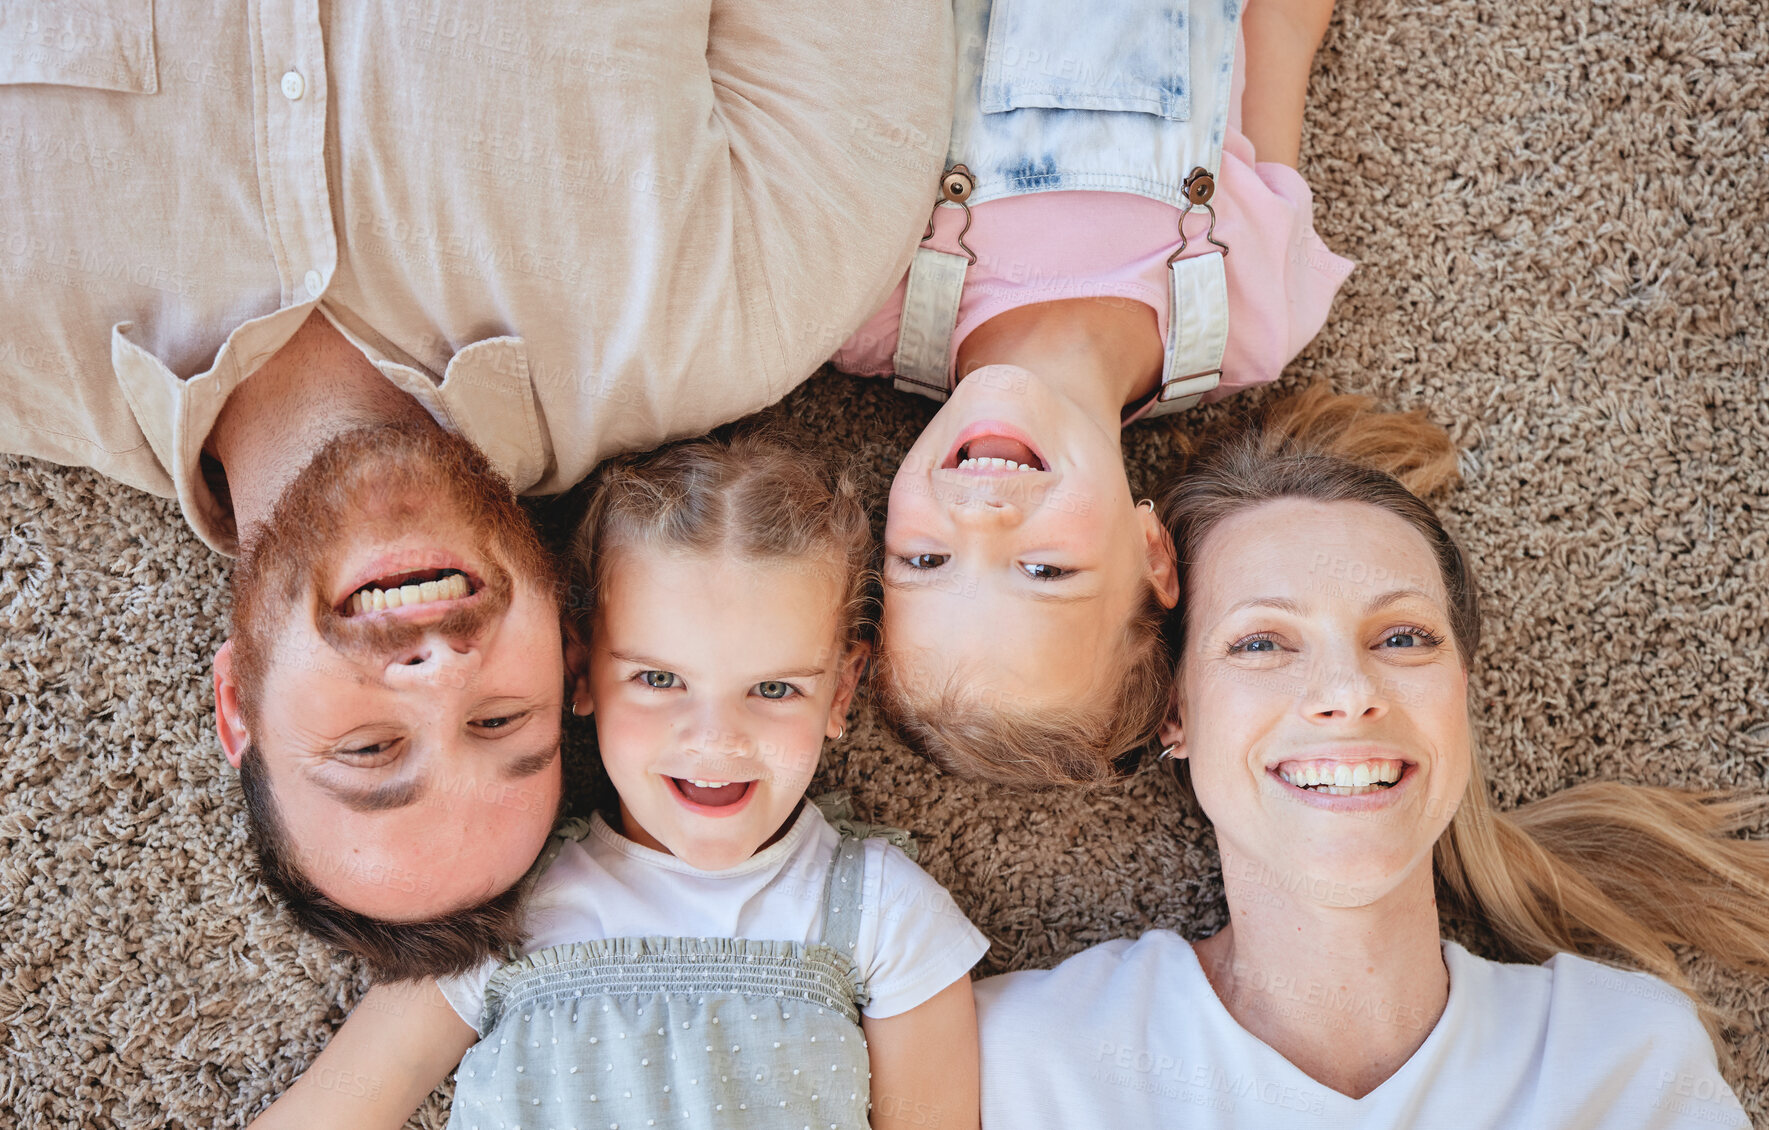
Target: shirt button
{"type": "Point", "coordinates": [315, 284]}
{"type": "Point", "coordinates": [294, 86]}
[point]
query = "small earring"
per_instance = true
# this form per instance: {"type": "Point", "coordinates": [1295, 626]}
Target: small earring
{"type": "Point", "coordinates": [1148, 502]}
{"type": "Point", "coordinates": [576, 708]}
{"type": "Point", "coordinates": [843, 733]}
{"type": "Point", "coordinates": [1167, 752]}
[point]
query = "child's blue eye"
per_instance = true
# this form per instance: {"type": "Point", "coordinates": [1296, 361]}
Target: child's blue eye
{"type": "Point", "coordinates": [927, 560]}
{"type": "Point", "coordinates": [774, 688]}
{"type": "Point", "coordinates": [660, 680]}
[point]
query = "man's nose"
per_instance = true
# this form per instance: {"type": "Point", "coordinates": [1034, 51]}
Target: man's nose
{"type": "Point", "coordinates": [434, 659]}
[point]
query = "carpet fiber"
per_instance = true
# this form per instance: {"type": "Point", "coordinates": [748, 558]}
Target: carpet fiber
{"type": "Point", "coordinates": [1558, 212]}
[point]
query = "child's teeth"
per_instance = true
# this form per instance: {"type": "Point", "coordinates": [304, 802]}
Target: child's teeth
{"type": "Point", "coordinates": [708, 784]}
{"type": "Point", "coordinates": [991, 463]}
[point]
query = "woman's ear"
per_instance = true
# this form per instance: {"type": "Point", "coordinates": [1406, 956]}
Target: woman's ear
{"type": "Point", "coordinates": [1163, 561]}
{"type": "Point", "coordinates": [230, 720]}
{"type": "Point", "coordinates": [577, 670]}
{"type": "Point", "coordinates": [1172, 731]}
{"type": "Point", "coordinates": [853, 665]}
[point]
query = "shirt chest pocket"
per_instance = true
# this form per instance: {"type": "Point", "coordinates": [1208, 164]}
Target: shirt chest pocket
{"type": "Point", "coordinates": [1129, 55]}
{"type": "Point", "coordinates": [100, 46]}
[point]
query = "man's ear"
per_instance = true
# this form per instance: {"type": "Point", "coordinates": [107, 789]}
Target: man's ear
{"type": "Point", "coordinates": [577, 670]}
{"type": "Point", "coordinates": [1163, 561]}
{"type": "Point", "coordinates": [230, 721]}
{"type": "Point", "coordinates": [853, 665]}
{"type": "Point", "coordinates": [1172, 731]}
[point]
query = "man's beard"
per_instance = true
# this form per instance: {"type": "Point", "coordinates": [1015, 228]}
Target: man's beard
{"type": "Point", "coordinates": [375, 484]}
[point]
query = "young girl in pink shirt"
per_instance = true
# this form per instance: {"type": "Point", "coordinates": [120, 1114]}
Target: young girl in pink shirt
{"type": "Point", "coordinates": [1122, 234]}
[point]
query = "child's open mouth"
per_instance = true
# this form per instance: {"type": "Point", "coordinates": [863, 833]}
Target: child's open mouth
{"type": "Point", "coordinates": [712, 794]}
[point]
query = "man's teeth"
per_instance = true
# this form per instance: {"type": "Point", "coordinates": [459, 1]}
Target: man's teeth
{"type": "Point", "coordinates": [1336, 779]}
{"type": "Point", "coordinates": [992, 465]}
{"type": "Point", "coordinates": [452, 587]}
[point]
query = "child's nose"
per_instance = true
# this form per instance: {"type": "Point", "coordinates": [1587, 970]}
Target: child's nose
{"type": "Point", "coordinates": [718, 736]}
{"type": "Point", "coordinates": [982, 511]}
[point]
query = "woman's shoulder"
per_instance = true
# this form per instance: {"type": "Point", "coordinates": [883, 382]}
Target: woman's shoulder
{"type": "Point", "coordinates": [1568, 988]}
{"type": "Point", "coordinates": [1118, 973]}
{"type": "Point", "coordinates": [1575, 1004]}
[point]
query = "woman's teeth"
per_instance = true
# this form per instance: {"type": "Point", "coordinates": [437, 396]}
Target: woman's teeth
{"type": "Point", "coordinates": [1337, 779]}
{"type": "Point", "coordinates": [992, 465]}
{"type": "Point", "coordinates": [708, 784]}
{"type": "Point", "coordinates": [452, 587]}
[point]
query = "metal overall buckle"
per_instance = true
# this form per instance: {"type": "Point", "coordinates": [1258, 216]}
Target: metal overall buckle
{"type": "Point", "coordinates": [1200, 186]}
{"type": "Point", "coordinates": [956, 186]}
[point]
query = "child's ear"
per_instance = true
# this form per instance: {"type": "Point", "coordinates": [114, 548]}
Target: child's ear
{"type": "Point", "coordinates": [230, 721]}
{"type": "Point", "coordinates": [1172, 731]}
{"type": "Point", "coordinates": [852, 666]}
{"type": "Point", "coordinates": [577, 670]}
{"type": "Point", "coordinates": [1162, 559]}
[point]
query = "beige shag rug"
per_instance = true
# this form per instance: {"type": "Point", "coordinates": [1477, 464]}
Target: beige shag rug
{"type": "Point", "coordinates": [1559, 212]}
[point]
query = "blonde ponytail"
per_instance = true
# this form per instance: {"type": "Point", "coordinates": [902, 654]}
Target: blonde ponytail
{"type": "Point", "coordinates": [1615, 872]}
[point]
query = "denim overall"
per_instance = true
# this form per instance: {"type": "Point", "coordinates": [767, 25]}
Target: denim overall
{"type": "Point", "coordinates": [704, 1032]}
{"type": "Point", "coordinates": [1112, 96]}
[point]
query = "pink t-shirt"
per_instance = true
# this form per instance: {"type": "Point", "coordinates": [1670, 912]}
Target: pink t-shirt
{"type": "Point", "coordinates": [1047, 246]}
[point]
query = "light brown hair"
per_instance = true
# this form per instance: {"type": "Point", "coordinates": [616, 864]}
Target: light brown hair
{"type": "Point", "coordinates": [752, 490]}
{"type": "Point", "coordinates": [1614, 871]}
{"type": "Point", "coordinates": [993, 738]}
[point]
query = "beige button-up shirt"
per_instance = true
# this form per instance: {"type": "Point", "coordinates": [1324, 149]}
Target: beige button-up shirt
{"type": "Point", "coordinates": [567, 229]}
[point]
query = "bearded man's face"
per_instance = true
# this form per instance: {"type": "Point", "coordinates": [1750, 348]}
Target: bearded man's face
{"type": "Point", "coordinates": [396, 669]}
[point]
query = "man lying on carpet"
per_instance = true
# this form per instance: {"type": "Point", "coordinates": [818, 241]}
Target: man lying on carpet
{"type": "Point", "coordinates": [292, 246]}
{"type": "Point", "coordinates": [1120, 239]}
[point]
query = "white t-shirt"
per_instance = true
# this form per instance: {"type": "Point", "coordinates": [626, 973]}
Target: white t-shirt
{"type": "Point", "coordinates": [1130, 1033]}
{"type": "Point", "coordinates": [914, 941]}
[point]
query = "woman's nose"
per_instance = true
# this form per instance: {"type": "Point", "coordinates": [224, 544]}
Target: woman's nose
{"type": "Point", "coordinates": [1341, 692]}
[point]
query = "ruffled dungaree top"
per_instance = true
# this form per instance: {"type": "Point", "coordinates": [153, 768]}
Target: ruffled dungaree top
{"type": "Point", "coordinates": [624, 1033]}
{"type": "Point", "coordinates": [1116, 96]}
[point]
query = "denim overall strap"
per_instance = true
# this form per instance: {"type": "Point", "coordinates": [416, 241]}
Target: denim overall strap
{"type": "Point", "coordinates": [923, 360]}
{"type": "Point", "coordinates": [843, 896]}
{"type": "Point", "coordinates": [1197, 333]}
{"type": "Point", "coordinates": [1133, 98]}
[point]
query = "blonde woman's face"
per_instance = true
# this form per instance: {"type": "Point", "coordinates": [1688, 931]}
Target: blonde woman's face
{"type": "Point", "coordinates": [1323, 705]}
{"type": "Point", "coordinates": [715, 682]}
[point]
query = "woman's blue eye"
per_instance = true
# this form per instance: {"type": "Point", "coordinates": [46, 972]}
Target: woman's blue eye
{"type": "Point", "coordinates": [659, 680]}
{"type": "Point", "coordinates": [1259, 644]}
{"type": "Point", "coordinates": [1045, 572]}
{"type": "Point", "coordinates": [927, 560]}
{"type": "Point", "coordinates": [1411, 637]}
{"type": "Point", "coordinates": [773, 688]}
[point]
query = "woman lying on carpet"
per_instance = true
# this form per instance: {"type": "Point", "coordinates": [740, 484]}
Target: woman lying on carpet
{"type": "Point", "coordinates": [1124, 235]}
{"type": "Point", "coordinates": [1320, 716]}
{"type": "Point", "coordinates": [716, 952]}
